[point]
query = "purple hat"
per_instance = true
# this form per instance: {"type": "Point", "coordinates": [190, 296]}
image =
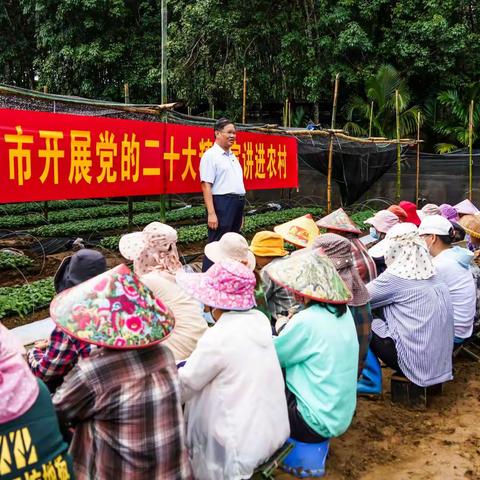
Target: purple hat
{"type": "Point", "coordinates": [228, 285]}
{"type": "Point", "coordinates": [449, 212]}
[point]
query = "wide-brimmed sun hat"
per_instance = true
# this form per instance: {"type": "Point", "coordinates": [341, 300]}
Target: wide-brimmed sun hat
{"type": "Point", "coordinates": [300, 231]}
{"type": "Point", "coordinates": [471, 224]}
{"type": "Point", "coordinates": [79, 267]}
{"type": "Point", "coordinates": [113, 310]}
{"type": "Point", "coordinates": [383, 221]}
{"type": "Point", "coordinates": [311, 274]}
{"type": "Point", "coordinates": [339, 221]}
{"type": "Point", "coordinates": [339, 250]}
{"type": "Point", "coordinates": [154, 248]}
{"type": "Point", "coordinates": [380, 248]}
{"type": "Point", "coordinates": [466, 207]}
{"type": "Point", "coordinates": [411, 210]}
{"type": "Point", "coordinates": [267, 244]}
{"type": "Point", "coordinates": [228, 285]}
{"type": "Point", "coordinates": [232, 246]}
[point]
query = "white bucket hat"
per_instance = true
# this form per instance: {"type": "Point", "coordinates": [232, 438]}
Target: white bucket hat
{"type": "Point", "coordinates": [232, 246]}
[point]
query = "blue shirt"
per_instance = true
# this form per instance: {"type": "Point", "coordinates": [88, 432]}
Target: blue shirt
{"type": "Point", "coordinates": [419, 318]}
{"type": "Point", "coordinates": [222, 170]}
{"type": "Point", "coordinates": [320, 354]}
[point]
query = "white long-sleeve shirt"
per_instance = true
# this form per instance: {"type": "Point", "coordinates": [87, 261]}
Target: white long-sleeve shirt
{"type": "Point", "coordinates": [235, 410]}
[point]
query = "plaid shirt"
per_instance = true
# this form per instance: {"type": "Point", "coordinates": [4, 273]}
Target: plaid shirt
{"type": "Point", "coordinates": [363, 261]}
{"type": "Point", "coordinates": [58, 358]}
{"type": "Point", "coordinates": [126, 409]}
{"type": "Point", "coordinates": [279, 299]}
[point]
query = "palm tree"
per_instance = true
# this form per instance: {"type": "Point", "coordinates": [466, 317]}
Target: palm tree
{"type": "Point", "coordinates": [380, 93]}
{"type": "Point", "coordinates": [454, 122]}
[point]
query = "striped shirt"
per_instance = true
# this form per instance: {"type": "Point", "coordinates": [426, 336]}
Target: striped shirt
{"type": "Point", "coordinates": [419, 318]}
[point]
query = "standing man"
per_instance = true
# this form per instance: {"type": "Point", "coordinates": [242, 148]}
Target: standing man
{"type": "Point", "coordinates": [222, 185]}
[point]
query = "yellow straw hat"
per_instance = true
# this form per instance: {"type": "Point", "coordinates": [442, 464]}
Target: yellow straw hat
{"type": "Point", "coordinates": [267, 244]}
{"type": "Point", "coordinates": [471, 224]}
{"type": "Point", "coordinates": [300, 232]}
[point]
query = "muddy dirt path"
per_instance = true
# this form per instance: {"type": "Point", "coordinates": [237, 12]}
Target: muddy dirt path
{"type": "Point", "coordinates": [387, 442]}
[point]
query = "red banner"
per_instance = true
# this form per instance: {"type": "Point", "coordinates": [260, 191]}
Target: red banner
{"type": "Point", "coordinates": [48, 156]}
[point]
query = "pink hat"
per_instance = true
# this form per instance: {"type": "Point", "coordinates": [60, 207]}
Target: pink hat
{"type": "Point", "coordinates": [228, 285]}
{"type": "Point", "coordinates": [383, 221]}
{"type": "Point", "coordinates": [18, 387]}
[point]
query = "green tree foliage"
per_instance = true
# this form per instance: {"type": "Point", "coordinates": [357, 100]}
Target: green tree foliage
{"type": "Point", "coordinates": [380, 95]}
{"type": "Point", "coordinates": [290, 48]}
{"type": "Point", "coordinates": [17, 45]}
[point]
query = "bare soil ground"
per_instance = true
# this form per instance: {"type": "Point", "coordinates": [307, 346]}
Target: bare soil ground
{"type": "Point", "coordinates": [390, 442]}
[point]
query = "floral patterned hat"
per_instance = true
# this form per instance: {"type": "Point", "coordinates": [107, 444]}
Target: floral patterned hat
{"type": "Point", "coordinates": [228, 285]}
{"type": "Point", "coordinates": [113, 310]}
{"type": "Point", "coordinates": [311, 274]}
{"type": "Point", "coordinates": [340, 221]}
{"type": "Point", "coordinates": [300, 231]}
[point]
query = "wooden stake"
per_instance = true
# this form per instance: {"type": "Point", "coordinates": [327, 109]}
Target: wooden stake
{"type": "Point", "coordinates": [45, 89]}
{"type": "Point", "coordinates": [371, 120]}
{"type": "Point", "coordinates": [289, 113]}
{"type": "Point", "coordinates": [126, 93]}
{"type": "Point", "coordinates": [335, 97]}
{"type": "Point", "coordinates": [244, 108]}
{"type": "Point", "coordinates": [417, 183]}
{"type": "Point", "coordinates": [330, 145]}
{"type": "Point", "coordinates": [470, 151]}
{"type": "Point", "coordinates": [329, 175]}
{"type": "Point", "coordinates": [399, 148]}
{"type": "Point", "coordinates": [213, 110]}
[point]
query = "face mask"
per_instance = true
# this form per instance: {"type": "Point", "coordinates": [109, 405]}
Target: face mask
{"type": "Point", "coordinates": [208, 317]}
{"type": "Point", "coordinates": [374, 234]}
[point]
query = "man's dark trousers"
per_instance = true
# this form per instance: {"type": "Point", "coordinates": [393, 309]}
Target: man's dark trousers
{"type": "Point", "coordinates": [229, 210]}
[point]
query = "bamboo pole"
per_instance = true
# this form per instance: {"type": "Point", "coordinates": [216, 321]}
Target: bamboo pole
{"type": "Point", "coordinates": [470, 150]}
{"type": "Point", "coordinates": [371, 120]}
{"type": "Point", "coordinates": [126, 90]}
{"type": "Point", "coordinates": [335, 98]}
{"type": "Point", "coordinates": [417, 183]}
{"type": "Point", "coordinates": [244, 105]}
{"type": "Point", "coordinates": [163, 58]}
{"type": "Point", "coordinates": [289, 113]}
{"type": "Point", "coordinates": [399, 148]}
{"type": "Point", "coordinates": [330, 145]}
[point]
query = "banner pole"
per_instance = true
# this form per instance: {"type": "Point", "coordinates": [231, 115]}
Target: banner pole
{"type": "Point", "coordinates": [244, 105]}
{"type": "Point", "coordinates": [126, 92]}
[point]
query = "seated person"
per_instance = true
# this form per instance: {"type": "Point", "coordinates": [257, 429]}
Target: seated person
{"type": "Point", "coordinates": [28, 418]}
{"type": "Point", "coordinates": [50, 360]}
{"type": "Point", "coordinates": [318, 349]}
{"type": "Point", "coordinates": [411, 210]}
{"type": "Point", "coordinates": [123, 400]}
{"type": "Point", "coordinates": [339, 251]}
{"type": "Point", "coordinates": [232, 383]}
{"type": "Point", "coordinates": [399, 212]}
{"type": "Point", "coordinates": [340, 223]}
{"type": "Point", "coordinates": [453, 267]}
{"type": "Point", "coordinates": [414, 335]}
{"type": "Point", "coordinates": [268, 248]}
{"type": "Point", "coordinates": [156, 261]}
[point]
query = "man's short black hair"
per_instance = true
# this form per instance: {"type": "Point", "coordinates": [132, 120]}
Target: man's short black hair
{"type": "Point", "coordinates": [221, 123]}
